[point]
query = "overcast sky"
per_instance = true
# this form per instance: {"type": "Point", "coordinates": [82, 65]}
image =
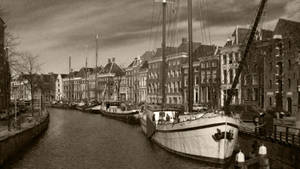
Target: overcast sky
{"type": "Point", "coordinates": [56, 29]}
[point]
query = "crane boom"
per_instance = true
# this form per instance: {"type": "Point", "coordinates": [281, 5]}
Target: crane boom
{"type": "Point", "coordinates": [243, 59]}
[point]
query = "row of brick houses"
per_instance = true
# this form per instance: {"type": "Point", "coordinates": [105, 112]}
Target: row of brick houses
{"type": "Point", "coordinates": [271, 76]}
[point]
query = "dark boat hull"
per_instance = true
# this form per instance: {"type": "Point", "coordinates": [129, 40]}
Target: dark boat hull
{"type": "Point", "coordinates": [131, 118]}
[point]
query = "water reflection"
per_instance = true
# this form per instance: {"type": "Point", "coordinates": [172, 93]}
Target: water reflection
{"type": "Point", "coordinates": [77, 140]}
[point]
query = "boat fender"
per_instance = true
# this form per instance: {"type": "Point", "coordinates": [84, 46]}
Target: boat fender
{"type": "Point", "coordinates": [240, 157]}
{"type": "Point", "coordinates": [262, 151]}
{"type": "Point", "coordinates": [263, 160]}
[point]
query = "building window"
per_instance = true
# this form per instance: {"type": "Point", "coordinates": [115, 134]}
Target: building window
{"type": "Point", "coordinates": [270, 84]}
{"type": "Point", "coordinates": [256, 95]}
{"type": "Point", "coordinates": [213, 64]}
{"type": "Point", "coordinates": [289, 83]}
{"type": "Point", "coordinates": [270, 101]}
{"type": "Point", "coordinates": [202, 65]}
{"type": "Point", "coordinates": [255, 80]}
{"type": "Point", "coordinates": [214, 76]}
{"type": "Point", "coordinates": [202, 77]}
{"type": "Point", "coordinates": [224, 59]}
{"type": "Point", "coordinates": [207, 64]}
{"type": "Point", "coordinates": [230, 58]}
{"type": "Point", "coordinates": [230, 76]}
{"type": "Point", "coordinates": [197, 80]}
{"type": "Point", "coordinates": [237, 56]}
{"type": "Point", "coordinates": [208, 77]}
{"type": "Point", "coordinates": [225, 76]}
{"type": "Point", "coordinates": [289, 64]}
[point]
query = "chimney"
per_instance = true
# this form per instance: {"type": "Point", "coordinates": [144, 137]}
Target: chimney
{"type": "Point", "coordinates": [109, 60]}
{"type": "Point", "coordinates": [113, 60]}
{"type": "Point", "coordinates": [237, 35]}
{"type": "Point", "coordinates": [184, 40]}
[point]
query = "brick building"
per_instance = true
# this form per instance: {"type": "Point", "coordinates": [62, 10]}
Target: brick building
{"type": "Point", "coordinates": [253, 74]}
{"type": "Point", "coordinates": [209, 78]}
{"type": "Point", "coordinates": [205, 74]}
{"type": "Point", "coordinates": [282, 67]}
{"type": "Point", "coordinates": [106, 80]}
{"type": "Point", "coordinates": [4, 71]}
{"type": "Point", "coordinates": [230, 56]}
{"type": "Point", "coordinates": [154, 75]}
{"type": "Point", "coordinates": [142, 78]}
{"type": "Point", "coordinates": [132, 80]}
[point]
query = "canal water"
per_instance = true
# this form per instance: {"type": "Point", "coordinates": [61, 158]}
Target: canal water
{"type": "Point", "coordinates": [76, 140]}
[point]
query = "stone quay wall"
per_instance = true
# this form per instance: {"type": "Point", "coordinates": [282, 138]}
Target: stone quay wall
{"type": "Point", "coordinates": [14, 143]}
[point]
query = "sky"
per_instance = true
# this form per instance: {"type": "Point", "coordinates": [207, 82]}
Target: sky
{"type": "Point", "coordinates": [57, 29]}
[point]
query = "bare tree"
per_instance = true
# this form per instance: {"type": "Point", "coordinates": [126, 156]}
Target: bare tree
{"type": "Point", "coordinates": [11, 43]}
{"type": "Point", "coordinates": [28, 68]}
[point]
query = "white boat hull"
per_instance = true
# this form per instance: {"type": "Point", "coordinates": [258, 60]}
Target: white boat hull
{"type": "Point", "coordinates": [198, 138]}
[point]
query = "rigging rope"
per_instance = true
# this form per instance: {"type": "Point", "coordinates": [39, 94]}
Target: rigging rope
{"type": "Point", "coordinates": [201, 19]}
{"type": "Point", "coordinates": [206, 20]}
{"type": "Point", "coordinates": [151, 28]}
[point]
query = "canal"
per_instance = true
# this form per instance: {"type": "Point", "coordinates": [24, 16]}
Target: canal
{"type": "Point", "coordinates": [76, 140]}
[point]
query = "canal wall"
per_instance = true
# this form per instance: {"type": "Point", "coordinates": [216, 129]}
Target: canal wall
{"type": "Point", "coordinates": [12, 144]}
{"type": "Point", "coordinates": [282, 156]}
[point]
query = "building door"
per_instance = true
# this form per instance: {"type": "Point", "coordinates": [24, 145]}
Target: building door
{"type": "Point", "coordinates": [289, 104]}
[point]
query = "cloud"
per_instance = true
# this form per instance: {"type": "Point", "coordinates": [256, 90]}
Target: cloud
{"type": "Point", "coordinates": [58, 29]}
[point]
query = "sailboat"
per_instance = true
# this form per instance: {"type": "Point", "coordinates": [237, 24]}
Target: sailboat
{"type": "Point", "coordinates": [209, 136]}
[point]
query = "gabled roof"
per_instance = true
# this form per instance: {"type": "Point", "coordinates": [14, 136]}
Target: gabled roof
{"type": "Point", "coordinates": [144, 65]}
{"type": "Point", "coordinates": [183, 47]}
{"type": "Point", "coordinates": [240, 35]}
{"type": "Point", "coordinates": [64, 75]}
{"type": "Point", "coordinates": [203, 51]}
{"type": "Point", "coordinates": [168, 51]}
{"type": "Point", "coordinates": [135, 62]}
{"type": "Point", "coordinates": [288, 29]}
{"type": "Point", "coordinates": [147, 55]}
{"type": "Point", "coordinates": [112, 67]}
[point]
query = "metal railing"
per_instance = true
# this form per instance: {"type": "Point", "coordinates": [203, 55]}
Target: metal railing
{"type": "Point", "coordinates": [286, 134]}
{"type": "Point", "coordinates": [280, 133]}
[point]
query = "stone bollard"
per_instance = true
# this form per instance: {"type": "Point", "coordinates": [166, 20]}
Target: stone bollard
{"type": "Point", "coordinates": [240, 161]}
{"type": "Point", "coordinates": [263, 159]}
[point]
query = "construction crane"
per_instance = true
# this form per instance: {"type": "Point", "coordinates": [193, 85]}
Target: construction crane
{"type": "Point", "coordinates": [231, 92]}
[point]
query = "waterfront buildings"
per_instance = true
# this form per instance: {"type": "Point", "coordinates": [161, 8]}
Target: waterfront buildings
{"type": "Point", "coordinates": [208, 79]}
{"type": "Point", "coordinates": [282, 67]}
{"type": "Point", "coordinates": [142, 82]}
{"type": "Point", "coordinates": [109, 79]}
{"type": "Point", "coordinates": [230, 56]}
{"type": "Point", "coordinates": [44, 87]}
{"type": "Point", "coordinates": [132, 72]}
{"type": "Point", "coordinates": [20, 89]}
{"type": "Point", "coordinates": [154, 76]}
{"type": "Point", "coordinates": [205, 74]}
{"type": "Point", "coordinates": [59, 93]}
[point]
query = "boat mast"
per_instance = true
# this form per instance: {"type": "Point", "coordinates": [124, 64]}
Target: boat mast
{"type": "Point", "coordinates": [243, 59]}
{"type": "Point", "coordinates": [96, 67]}
{"type": "Point", "coordinates": [69, 83]}
{"type": "Point", "coordinates": [190, 54]}
{"type": "Point", "coordinates": [86, 81]}
{"type": "Point", "coordinates": [163, 46]}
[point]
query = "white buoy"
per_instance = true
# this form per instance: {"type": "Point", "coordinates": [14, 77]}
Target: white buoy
{"type": "Point", "coordinates": [240, 157]}
{"type": "Point", "coordinates": [262, 150]}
